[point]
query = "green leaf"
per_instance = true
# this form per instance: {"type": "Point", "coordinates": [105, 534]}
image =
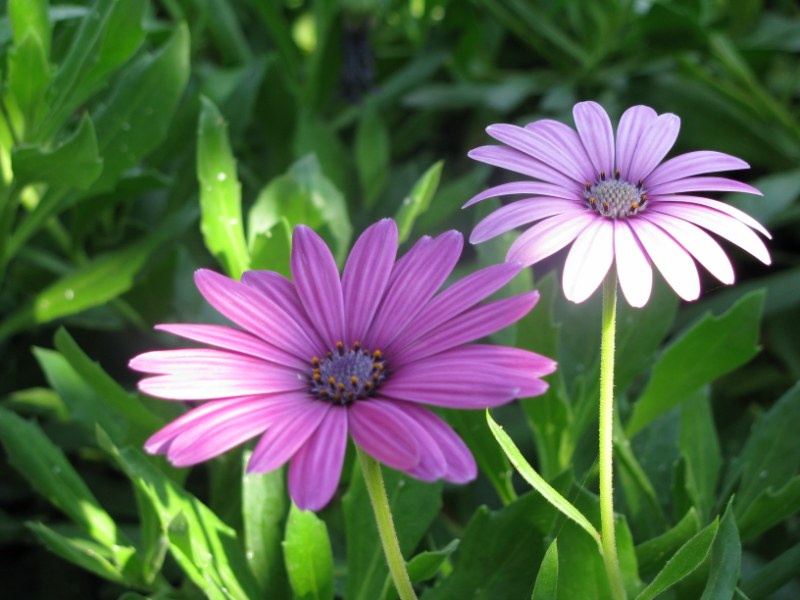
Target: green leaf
{"type": "Point", "coordinates": [30, 17]}
{"type": "Point", "coordinates": [74, 163]}
{"type": "Point", "coordinates": [220, 193]}
{"type": "Point", "coordinates": [414, 505]}
{"type": "Point", "coordinates": [538, 483]}
{"type": "Point", "coordinates": [684, 562]}
{"type": "Point", "coordinates": [712, 347]}
{"type": "Point", "coordinates": [726, 559]}
{"type": "Point", "coordinates": [498, 552]}
{"type": "Point", "coordinates": [780, 191]}
{"type": "Point", "coordinates": [372, 149]}
{"type": "Point", "coordinates": [546, 587]}
{"type": "Point", "coordinates": [769, 508]}
{"type": "Point", "coordinates": [272, 251]}
{"type": "Point", "coordinates": [426, 564]}
{"type": "Point", "coordinates": [28, 78]}
{"type": "Point", "coordinates": [700, 450]}
{"type": "Point", "coordinates": [205, 548]}
{"type": "Point", "coordinates": [48, 471]}
{"type": "Point", "coordinates": [308, 556]}
{"type": "Point", "coordinates": [652, 554]}
{"type": "Point", "coordinates": [418, 200]}
{"type": "Point", "coordinates": [264, 508]}
{"type": "Point", "coordinates": [773, 576]}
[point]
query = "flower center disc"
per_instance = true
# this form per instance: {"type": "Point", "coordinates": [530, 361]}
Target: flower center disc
{"type": "Point", "coordinates": [347, 374]}
{"type": "Point", "coordinates": [615, 198]}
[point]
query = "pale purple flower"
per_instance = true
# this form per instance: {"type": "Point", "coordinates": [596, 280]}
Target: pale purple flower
{"type": "Point", "coordinates": [320, 358]}
{"type": "Point", "coordinates": [616, 202]}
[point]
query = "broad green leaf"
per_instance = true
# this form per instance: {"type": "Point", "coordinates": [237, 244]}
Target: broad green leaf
{"type": "Point", "coordinates": [700, 450]}
{"type": "Point", "coordinates": [205, 548]}
{"type": "Point", "coordinates": [28, 78]}
{"type": "Point", "coordinates": [220, 193]}
{"type": "Point", "coordinates": [528, 473]}
{"type": "Point", "coordinates": [264, 507]}
{"type": "Point", "coordinates": [546, 587]}
{"type": "Point", "coordinates": [492, 462]}
{"type": "Point", "coordinates": [372, 149]}
{"type": "Point", "coordinates": [498, 552]}
{"type": "Point", "coordinates": [89, 555]}
{"type": "Point", "coordinates": [272, 251]}
{"type": "Point", "coordinates": [769, 508]}
{"type": "Point", "coordinates": [75, 163]}
{"type": "Point", "coordinates": [313, 136]}
{"type": "Point", "coordinates": [283, 200]}
{"type": "Point", "coordinates": [49, 472]}
{"type": "Point", "coordinates": [140, 109]}
{"type": "Point", "coordinates": [421, 567]}
{"type": "Point", "coordinates": [418, 200]}
{"type": "Point", "coordinates": [30, 17]}
{"type": "Point", "coordinates": [414, 504]}
{"type": "Point", "coordinates": [308, 556]}
{"type": "Point", "coordinates": [773, 576]}
{"type": "Point", "coordinates": [684, 562]}
{"type": "Point", "coordinates": [712, 347]}
{"type": "Point", "coordinates": [653, 553]}
{"type": "Point", "coordinates": [726, 559]}
{"type": "Point", "coordinates": [581, 573]}
{"type": "Point", "coordinates": [771, 454]}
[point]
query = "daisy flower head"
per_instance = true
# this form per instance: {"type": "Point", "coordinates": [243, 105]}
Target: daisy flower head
{"type": "Point", "coordinates": [320, 357]}
{"type": "Point", "coordinates": [615, 202]}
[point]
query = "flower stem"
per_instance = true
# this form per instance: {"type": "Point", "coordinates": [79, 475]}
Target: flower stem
{"type": "Point", "coordinates": [606, 461]}
{"type": "Point", "coordinates": [383, 517]}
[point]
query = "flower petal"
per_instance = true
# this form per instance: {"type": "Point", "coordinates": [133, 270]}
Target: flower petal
{"type": "Point", "coordinates": [565, 138]}
{"type": "Point", "coordinates": [315, 470]}
{"type": "Point", "coordinates": [519, 162]}
{"type": "Point", "coordinates": [366, 274]}
{"type": "Point", "coordinates": [522, 187]}
{"type": "Point", "coordinates": [254, 312]}
{"type": "Point", "coordinates": [656, 140]}
{"type": "Point", "coordinates": [597, 136]}
{"type": "Point", "coordinates": [384, 431]}
{"type": "Point", "coordinates": [519, 213]}
{"type": "Point", "coordinates": [694, 163]}
{"type": "Point", "coordinates": [633, 268]}
{"type": "Point", "coordinates": [674, 263]}
{"type": "Point", "coordinates": [287, 435]}
{"type": "Point", "coordinates": [414, 279]}
{"type": "Point", "coordinates": [721, 207]}
{"type": "Point", "coordinates": [700, 184]}
{"type": "Point", "coordinates": [589, 260]}
{"type": "Point", "coordinates": [233, 339]}
{"type": "Point", "coordinates": [548, 237]}
{"type": "Point", "coordinates": [698, 243]}
{"type": "Point", "coordinates": [316, 279]}
{"type": "Point", "coordinates": [540, 148]}
{"type": "Point", "coordinates": [631, 125]}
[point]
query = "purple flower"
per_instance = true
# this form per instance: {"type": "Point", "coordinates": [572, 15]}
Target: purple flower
{"type": "Point", "coordinates": [322, 357]}
{"type": "Point", "coordinates": [616, 202]}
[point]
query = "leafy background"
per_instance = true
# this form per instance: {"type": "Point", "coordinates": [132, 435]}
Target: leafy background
{"type": "Point", "coordinates": [140, 140]}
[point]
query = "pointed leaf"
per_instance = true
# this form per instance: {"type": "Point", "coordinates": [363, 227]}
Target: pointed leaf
{"type": "Point", "coordinates": [546, 587]}
{"type": "Point", "coordinates": [308, 556]}
{"type": "Point", "coordinates": [418, 200]}
{"type": "Point", "coordinates": [726, 560]}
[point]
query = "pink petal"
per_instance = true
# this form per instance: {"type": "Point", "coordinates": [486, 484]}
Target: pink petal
{"type": "Point", "coordinates": [315, 470]}
{"type": "Point", "coordinates": [675, 264]}
{"type": "Point", "coordinates": [531, 363]}
{"type": "Point", "coordinates": [540, 148]}
{"type": "Point", "coordinates": [519, 162]}
{"type": "Point", "coordinates": [453, 301]}
{"type": "Point", "coordinates": [522, 187]}
{"type": "Point", "coordinates": [366, 275]}
{"type": "Point", "coordinates": [565, 138]}
{"type": "Point", "coordinates": [656, 140]}
{"type": "Point", "coordinates": [519, 213]}
{"type": "Point", "coordinates": [698, 243]}
{"type": "Point", "coordinates": [233, 339]}
{"type": "Point", "coordinates": [470, 325]}
{"type": "Point", "coordinates": [589, 260]}
{"type": "Point", "coordinates": [432, 463]}
{"type": "Point", "coordinates": [254, 312]}
{"type": "Point", "coordinates": [415, 278]}
{"type": "Point", "coordinates": [701, 184]}
{"type": "Point", "coordinates": [597, 136]}
{"type": "Point", "coordinates": [633, 268]}
{"type": "Point", "coordinates": [721, 207]}
{"type": "Point", "coordinates": [548, 237]}
{"type": "Point", "coordinates": [717, 222]}
{"type": "Point", "coordinates": [384, 431]}
{"type": "Point", "coordinates": [287, 435]}
{"type": "Point", "coordinates": [316, 279]}
{"type": "Point", "coordinates": [631, 125]}
{"type": "Point", "coordinates": [694, 163]}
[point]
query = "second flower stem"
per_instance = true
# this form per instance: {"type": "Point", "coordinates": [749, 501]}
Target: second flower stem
{"type": "Point", "coordinates": [606, 460]}
{"type": "Point", "coordinates": [383, 517]}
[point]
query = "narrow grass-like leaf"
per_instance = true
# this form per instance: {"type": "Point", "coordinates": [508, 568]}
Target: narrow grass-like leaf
{"type": "Point", "coordinates": [308, 556]}
{"type": "Point", "coordinates": [775, 575]}
{"type": "Point", "coordinates": [528, 473]}
{"type": "Point", "coordinates": [418, 200]}
{"type": "Point", "coordinates": [546, 587]}
{"type": "Point", "coordinates": [29, 75]}
{"type": "Point", "coordinates": [653, 553]}
{"type": "Point", "coordinates": [726, 559]}
{"type": "Point", "coordinates": [769, 508]}
{"type": "Point", "coordinates": [700, 450]}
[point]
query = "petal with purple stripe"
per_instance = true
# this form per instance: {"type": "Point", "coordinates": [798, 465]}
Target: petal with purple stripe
{"type": "Point", "coordinates": [631, 125]}
{"type": "Point", "coordinates": [384, 431]}
{"type": "Point", "coordinates": [633, 269]}
{"type": "Point", "coordinates": [694, 163]}
{"type": "Point", "coordinates": [563, 136]}
{"type": "Point", "coordinates": [548, 237]}
{"type": "Point", "coordinates": [522, 187]}
{"type": "Point", "coordinates": [589, 260]}
{"type": "Point", "coordinates": [721, 207]}
{"type": "Point", "coordinates": [519, 162]}
{"type": "Point", "coordinates": [656, 140]}
{"type": "Point", "coordinates": [597, 136]}
{"type": "Point", "coordinates": [519, 213]}
{"type": "Point", "coordinates": [701, 184]}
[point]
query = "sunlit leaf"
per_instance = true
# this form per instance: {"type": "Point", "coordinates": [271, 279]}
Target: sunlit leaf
{"type": "Point", "coordinates": [308, 556]}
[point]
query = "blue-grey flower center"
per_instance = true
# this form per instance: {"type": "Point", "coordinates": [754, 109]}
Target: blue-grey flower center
{"type": "Point", "coordinates": [615, 198]}
{"type": "Point", "coordinates": [347, 374]}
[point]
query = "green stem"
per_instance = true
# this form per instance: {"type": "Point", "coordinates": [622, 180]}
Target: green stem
{"type": "Point", "coordinates": [383, 517]}
{"type": "Point", "coordinates": [606, 461]}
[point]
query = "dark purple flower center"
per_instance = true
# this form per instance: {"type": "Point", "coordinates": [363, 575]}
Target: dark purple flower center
{"type": "Point", "coordinates": [347, 374]}
{"type": "Point", "coordinates": [615, 198]}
